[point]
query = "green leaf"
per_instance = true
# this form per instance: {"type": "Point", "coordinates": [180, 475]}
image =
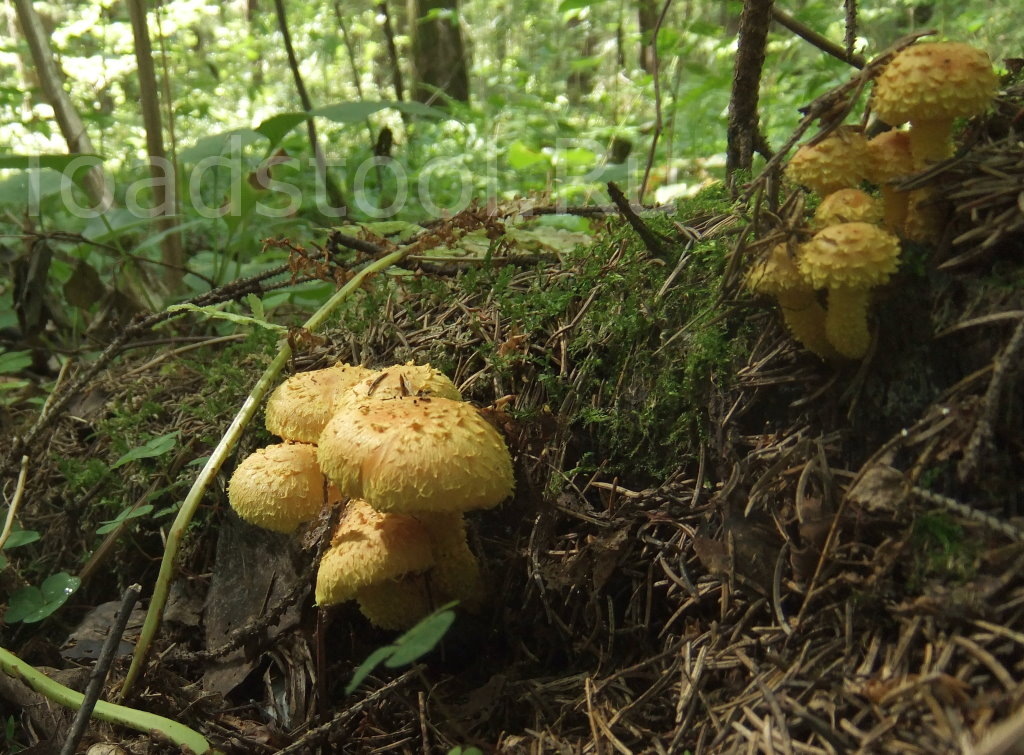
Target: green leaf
{"type": "Point", "coordinates": [412, 645]}
{"type": "Point", "coordinates": [216, 314]}
{"type": "Point", "coordinates": [13, 361]}
{"type": "Point", "coordinates": [577, 157]}
{"type": "Point", "coordinates": [19, 188]}
{"type": "Point", "coordinates": [255, 306]}
{"type": "Point", "coordinates": [422, 638]}
{"type": "Point", "coordinates": [31, 604]}
{"type": "Point", "coordinates": [20, 537]}
{"type": "Point", "coordinates": [217, 144]}
{"type": "Point", "coordinates": [129, 513]}
{"type": "Point", "coordinates": [277, 126]}
{"type": "Point", "coordinates": [520, 156]}
{"type": "Point", "coordinates": [568, 5]}
{"type": "Point", "coordinates": [156, 447]}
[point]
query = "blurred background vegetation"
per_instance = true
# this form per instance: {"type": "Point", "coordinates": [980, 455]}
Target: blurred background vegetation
{"type": "Point", "coordinates": [420, 107]}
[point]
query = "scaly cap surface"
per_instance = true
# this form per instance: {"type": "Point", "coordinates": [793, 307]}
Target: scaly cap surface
{"type": "Point", "coordinates": [853, 255]}
{"type": "Point", "coordinates": [836, 162]}
{"type": "Point", "coordinates": [398, 381]}
{"type": "Point", "coordinates": [279, 487]}
{"type": "Point", "coordinates": [299, 408]}
{"type": "Point", "coordinates": [934, 81]}
{"type": "Point", "coordinates": [369, 548]}
{"type": "Point", "coordinates": [411, 455]}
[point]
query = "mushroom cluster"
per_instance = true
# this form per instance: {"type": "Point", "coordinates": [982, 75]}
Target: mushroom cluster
{"type": "Point", "coordinates": [409, 457]}
{"type": "Point", "coordinates": [854, 238]}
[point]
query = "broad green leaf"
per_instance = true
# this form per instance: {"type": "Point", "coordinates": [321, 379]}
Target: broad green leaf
{"type": "Point", "coordinates": [21, 537]}
{"type": "Point", "coordinates": [275, 127]}
{"type": "Point", "coordinates": [17, 189]}
{"type": "Point", "coordinates": [156, 447]}
{"type": "Point", "coordinates": [12, 361]}
{"type": "Point", "coordinates": [219, 144]}
{"type": "Point", "coordinates": [129, 513]}
{"type": "Point", "coordinates": [31, 604]}
{"type": "Point", "coordinates": [412, 645]}
{"type": "Point", "coordinates": [568, 5]}
{"type": "Point", "coordinates": [577, 157]}
{"type": "Point", "coordinates": [520, 156]}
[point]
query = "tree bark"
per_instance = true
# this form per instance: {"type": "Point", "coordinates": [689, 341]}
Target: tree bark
{"type": "Point", "coordinates": [164, 183]}
{"type": "Point", "coordinates": [67, 117]}
{"type": "Point", "coordinates": [389, 38]}
{"type": "Point", "coordinates": [438, 54]}
{"type": "Point", "coordinates": [648, 13]}
{"type": "Point", "coordinates": [743, 134]}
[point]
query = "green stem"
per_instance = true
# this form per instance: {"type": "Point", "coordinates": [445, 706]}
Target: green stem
{"type": "Point", "coordinates": [139, 720]}
{"type": "Point", "coordinates": [217, 458]}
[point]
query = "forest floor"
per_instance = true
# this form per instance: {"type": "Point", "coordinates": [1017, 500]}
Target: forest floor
{"type": "Point", "coordinates": [718, 542]}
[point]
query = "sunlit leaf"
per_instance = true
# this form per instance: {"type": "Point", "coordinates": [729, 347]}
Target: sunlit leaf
{"type": "Point", "coordinates": [520, 156]}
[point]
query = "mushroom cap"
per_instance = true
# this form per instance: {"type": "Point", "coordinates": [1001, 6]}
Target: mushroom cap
{"type": "Point", "coordinates": [280, 487]}
{"type": "Point", "coordinates": [851, 255]}
{"type": "Point", "coordinates": [398, 381]}
{"type": "Point", "coordinates": [776, 273]}
{"type": "Point", "coordinates": [456, 572]}
{"type": "Point", "coordinates": [889, 156]}
{"type": "Point", "coordinates": [836, 162]}
{"type": "Point", "coordinates": [396, 604]}
{"type": "Point", "coordinates": [847, 206]}
{"type": "Point", "coordinates": [370, 548]}
{"type": "Point", "coordinates": [934, 81]}
{"type": "Point", "coordinates": [416, 454]}
{"type": "Point", "coordinates": [299, 408]}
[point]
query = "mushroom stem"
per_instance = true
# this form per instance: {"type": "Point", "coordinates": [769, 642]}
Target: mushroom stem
{"type": "Point", "coordinates": [895, 208]}
{"type": "Point", "coordinates": [805, 318]}
{"type": "Point", "coordinates": [931, 141]}
{"type": "Point", "coordinates": [846, 322]}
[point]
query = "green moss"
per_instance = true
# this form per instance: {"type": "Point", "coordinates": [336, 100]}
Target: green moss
{"type": "Point", "coordinates": [941, 551]}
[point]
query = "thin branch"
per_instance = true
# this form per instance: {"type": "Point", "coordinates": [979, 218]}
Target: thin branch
{"type": "Point", "coordinates": [657, 101]}
{"type": "Point", "coordinates": [822, 43]}
{"type": "Point", "coordinates": [330, 185]}
{"type": "Point", "coordinates": [100, 670]}
{"type": "Point", "coordinates": [649, 238]}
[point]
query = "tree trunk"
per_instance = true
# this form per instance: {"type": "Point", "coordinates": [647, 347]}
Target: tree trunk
{"type": "Point", "coordinates": [438, 55]}
{"type": "Point", "coordinates": [163, 173]}
{"type": "Point", "coordinates": [647, 15]}
{"type": "Point", "coordinates": [389, 38]}
{"type": "Point", "coordinates": [68, 120]}
{"type": "Point", "coordinates": [743, 133]}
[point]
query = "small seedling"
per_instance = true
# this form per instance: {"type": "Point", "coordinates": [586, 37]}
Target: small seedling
{"type": "Point", "coordinates": [411, 646]}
